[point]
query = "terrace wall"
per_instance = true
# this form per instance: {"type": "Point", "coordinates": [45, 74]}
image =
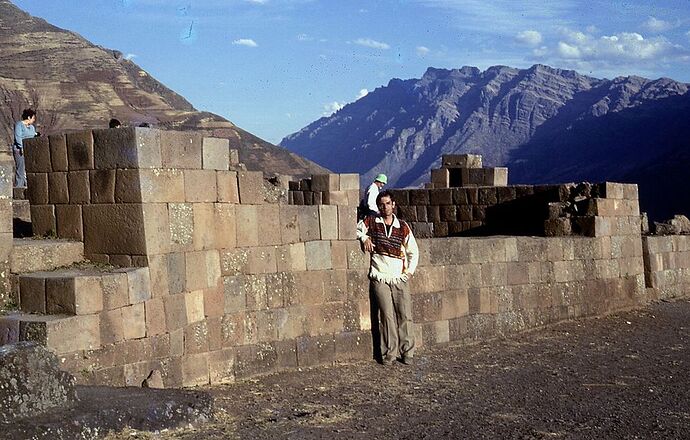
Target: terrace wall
{"type": "Point", "coordinates": [229, 285]}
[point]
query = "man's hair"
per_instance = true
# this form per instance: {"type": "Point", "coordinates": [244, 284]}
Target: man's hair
{"type": "Point", "coordinates": [27, 113]}
{"type": "Point", "coordinates": [114, 123]}
{"type": "Point", "coordinates": [383, 194]}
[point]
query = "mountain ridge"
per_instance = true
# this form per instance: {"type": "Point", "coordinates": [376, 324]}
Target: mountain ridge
{"type": "Point", "coordinates": [513, 117]}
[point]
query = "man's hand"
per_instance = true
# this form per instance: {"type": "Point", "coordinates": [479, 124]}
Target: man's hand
{"type": "Point", "coordinates": [368, 245]}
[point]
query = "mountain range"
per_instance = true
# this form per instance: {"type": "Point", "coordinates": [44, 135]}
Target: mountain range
{"type": "Point", "coordinates": [76, 85]}
{"type": "Point", "coordinates": [547, 125]}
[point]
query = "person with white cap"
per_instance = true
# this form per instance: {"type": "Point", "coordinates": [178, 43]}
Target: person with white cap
{"type": "Point", "coordinates": [367, 206]}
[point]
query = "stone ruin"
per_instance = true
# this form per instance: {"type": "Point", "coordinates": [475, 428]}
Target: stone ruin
{"type": "Point", "coordinates": [165, 256]}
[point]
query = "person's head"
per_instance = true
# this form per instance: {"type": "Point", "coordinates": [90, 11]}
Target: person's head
{"type": "Point", "coordinates": [29, 115]}
{"type": "Point", "coordinates": [385, 203]}
{"type": "Point", "coordinates": [114, 123]}
{"type": "Point", "coordinates": [381, 180]}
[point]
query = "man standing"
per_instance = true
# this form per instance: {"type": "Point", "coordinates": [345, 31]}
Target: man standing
{"type": "Point", "coordinates": [367, 206]}
{"type": "Point", "coordinates": [394, 256]}
{"type": "Point", "coordinates": [23, 129]}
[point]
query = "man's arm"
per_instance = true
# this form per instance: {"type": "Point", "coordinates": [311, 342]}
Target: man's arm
{"type": "Point", "coordinates": [18, 132]}
{"type": "Point", "coordinates": [412, 253]}
{"type": "Point", "coordinates": [362, 235]}
{"type": "Point", "coordinates": [372, 193]}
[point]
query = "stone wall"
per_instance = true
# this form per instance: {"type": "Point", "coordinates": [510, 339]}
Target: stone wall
{"type": "Point", "coordinates": [231, 285]}
{"type": "Point", "coordinates": [667, 265]}
{"type": "Point", "coordinates": [6, 183]}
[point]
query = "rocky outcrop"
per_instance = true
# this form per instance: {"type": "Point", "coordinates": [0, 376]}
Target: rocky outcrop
{"type": "Point", "coordinates": [31, 382]}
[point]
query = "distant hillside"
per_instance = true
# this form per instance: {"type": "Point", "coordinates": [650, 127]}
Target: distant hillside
{"type": "Point", "coordinates": [546, 124]}
{"type": "Point", "coordinates": [75, 84]}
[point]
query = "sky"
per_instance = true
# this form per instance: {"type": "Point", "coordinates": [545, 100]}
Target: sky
{"type": "Point", "coordinates": [274, 66]}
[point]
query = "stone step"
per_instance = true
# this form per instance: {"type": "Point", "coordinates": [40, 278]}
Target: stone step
{"type": "Point", "coordinates": [21, 210]}
{"type": "Point", "coordinates": [19, 193]}
{"type": "Point", "coordinates": [31, 255]}
{"type": "Point", "coordinates": [59, 333]}
{"type": "Point", "coordinates": [83, 290]}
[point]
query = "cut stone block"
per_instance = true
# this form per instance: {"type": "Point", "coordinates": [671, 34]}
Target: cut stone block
{"type": "Point", "coordinates": [227, 187]}
{"type": "Point", "coordinates": [69, 222]}
{"type": "Point", "coordinates": [79, 187]}
{"type": "Point", "coordinates": [58, 191]}
{"type": "Point", "coordinates": [335, 198]}
{"type": "Point", "coordinates": [102, 186]}
{"type": "Point", "coordinates": [215, 153]}
{"type": "Point", "coordinates": [58, 152]}
{"type": "Point", "coordinates": [247, 225]}
{"type": "Point", "coordinates": [347, 223]}
{"type": "Point", "coordinates": [134, 321]}
{"type": "Point", "coordinates": [80, 150]}
{"type": "Point", "coordinates": [325, 182]}
{"type": "Point", "coordinates": [37, 188]}
{"type": "Point", "coordinates": [440, 178]}
{"type": "Point", "coordinates": [181, 222]}
{"type": "Point", "coordinates": [37, 155]}
{"type": "Point", "coordinates": [318, 255]}
{"type": "Point", "coordinates": [204, 236]}
{"type": "Point", "coordinates": [32, 293]}
{"type": "Point", "coordinates": [181, 149]}
{"type": "Point", "coordinates": [43, 221]}
{"type": "Point", "coordinates": [349, 182]}
{"type": "Point", "coordinates": [461, 161]}
{"type": "Point", "coordinates": [251, 184]}
{"type": "Point", "coordinates": [268, 217]}
{"type": "Point", "coordinates": [328, 222]}
{"type": "Point", "coordinates": [158, 185]}
{"type": "Point", "coordinates": [112, 327]}
{"type": "Point", "coordinates": [200, 186]}
{"type": "Point", "coordinates": [225, 225]}
{"type": "Point", "coordinates": [127, 147]}
{"type": "Point", "coordinates": [114, 229]}
{"type": "Point", "coordinates": [72, 293]}
{"type": "Point", "coordinates": [308, 220]}
{"type": "Point", "coordinates": [62, 334]}
{"type": "Point", "coordinates": [9, 330]}
{"type": "Point", "coordinates": [42, 255]}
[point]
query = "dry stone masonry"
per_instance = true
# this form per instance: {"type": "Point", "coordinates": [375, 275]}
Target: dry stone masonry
{"type": "Point", "coordinates": [202, 272]}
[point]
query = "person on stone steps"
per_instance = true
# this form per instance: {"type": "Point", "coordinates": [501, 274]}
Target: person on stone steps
{"type": "Point", "coordinates": [23, 129]}
{"type": "Point", "coordinates": [367, 206]}
{"type": "Point", "coordinates": [394, 257]}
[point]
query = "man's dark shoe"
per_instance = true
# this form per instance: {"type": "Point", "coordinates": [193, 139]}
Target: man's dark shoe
{"type": "Point", "coordinates": [388, 359]}
{"type": "Point", "coordinates": [407, 360]}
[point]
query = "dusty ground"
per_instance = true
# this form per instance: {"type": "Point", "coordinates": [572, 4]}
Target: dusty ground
{"type": "Point", "coordinates": [623, 376]}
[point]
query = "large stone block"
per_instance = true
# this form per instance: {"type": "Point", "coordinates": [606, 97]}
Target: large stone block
{"type": "Point", "coordinates": [317, 350]}
{"type": "Point", "coordinates": [325, 182]}
{"type": "Point", "coordinates": [204, 232]}
{"type": "Point", "coordinates": [114, 229]}
{"type": "Point", "coordinates": [289, 224]}
{"type": "Point", "coordinates": [130, 147]}
{"type": "Point", "coordinates": [60, 334]}
{"type": "Point", "coordinates": [80, 151]}
{"type": "Point", "coordinates": [261, 260]}
{"type": "Point", "coordinates": [175, 312]}
{"type": "Point", "coordinates": [158, 185]}
{"type": "Point", "coordinates": [440, 178]}
{"type": "Point", "coordinates": [9, 330]}
{"type": "Point", "coordinates": [181, 149]}
{"type": "Point", "coordinates": [74, 294]}
{"type": "Point", "coordinates": [461, 160]}
{"type": "Point", "coordinates": [328, 222]}
{"type": "Point", "coordinates": [308, 220]}
{"type": "Point", "coordinates": [215, 153]}
{"type": "Point", "coordinates": [58, 152]}
{"type": "Point", "coordinates": [200, 186]}
{"type": "Point", "coordinates": [181, 222]}
{"type": "Point", "coordinates": [318, 255]}
{"type": "Point", "coordinates": [37, 188]}
{"type": "Point", "coordinates": [247, 225]}
{"type": "Point", "coordinates": [347, 223]}
{"type": "Point", "coordinates": [115, 287]}
{"type": "Point", "coordinates": [349, 182]}
{"type": "Point", "coordinates": [291, 257]}
{"type": "Point", "coordinates": [43, 220]}
{"type": "Point", "coordinates": [225, 225]}
{"type": "Point", "coordinates": [268, 217]}
{"type": "Point", "coordinates": [37, 155]}
{"type": "Point", "coordinates": [102, 186]}
{"type": "Point", "coordinates": [69, 222]}
{"type": "Point", "coordinates": [251, 185]}
{"type": "Point", "coordinates": [32, 292]}
{"type": "Point", "coordinates": [228, 190]}
{"type": "Point", "coordinates": [112, 327]}
{"type": "Point", "coordinates": [79, 187]}
{"type": "Point", "coordinates": [195, 370]}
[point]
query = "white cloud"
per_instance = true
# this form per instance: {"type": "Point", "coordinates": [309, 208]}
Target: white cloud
{"type": "Point", "coordinates": [568, 51]}
{"type": "Point", "coordinates": [245, 42]}
{"type": "Point", "coordinates": [332, 107]}
{"type": "Point", "coordinates": [130, 56]}
{"type": "Point", "coordinates": [654, 24]}
{"type": "Point", "coordinates": [258, 2]}
{"type": "Point", "coordinates": [362, 93]}
{"type": "Point", "coordinates": [368, 42]}
{"type": "Point", "coordinates": [687, 34]}
{"type": "Point", "coordinates": [422, 51]}
{"type": "Point", "coordinates": [531, 38]}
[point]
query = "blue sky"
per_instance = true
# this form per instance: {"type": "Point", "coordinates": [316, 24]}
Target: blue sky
{"type": "Point", "coordinates": [274, 66]}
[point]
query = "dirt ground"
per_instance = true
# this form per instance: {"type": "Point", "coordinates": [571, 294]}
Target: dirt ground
{"type": "Point", "coordinates": [622, 376]}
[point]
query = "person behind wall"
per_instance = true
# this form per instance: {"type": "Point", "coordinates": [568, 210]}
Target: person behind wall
{"type": "Point", "coordinates": [23, 129]}
{"type": "Point", "coordinates": [367, 206]}
{"type": "Point", "coordinates": [114, 123]}
{"type": "Point", "coordinates": [394, 257]}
